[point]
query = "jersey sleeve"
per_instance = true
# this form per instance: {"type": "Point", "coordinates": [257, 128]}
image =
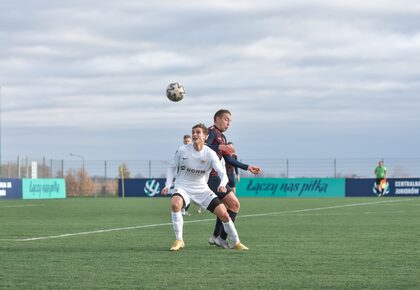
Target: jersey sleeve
{"type": "Point", "coordinates": [220, 169]}
{"type": "Point", "coordinates": [171, 173]}
{"type": "Point", "coordinates": [235, 163]}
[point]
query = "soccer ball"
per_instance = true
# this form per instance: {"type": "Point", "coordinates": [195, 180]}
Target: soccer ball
{"type": "Point", "coordinates": [175, 92]}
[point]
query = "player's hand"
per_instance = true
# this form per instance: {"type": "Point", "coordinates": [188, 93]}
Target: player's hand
{"type": "Point", "coordinates": [254, 169]}
{"type": "Point", "coordinates": [221, 189]}
{"type": "Point", "coordinates": [227, 149]}
{"type": "Point", "coordinates": [164, 191]}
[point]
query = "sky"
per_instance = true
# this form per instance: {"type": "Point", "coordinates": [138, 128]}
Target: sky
{"type": "Point", "coordinates": [303, 79]}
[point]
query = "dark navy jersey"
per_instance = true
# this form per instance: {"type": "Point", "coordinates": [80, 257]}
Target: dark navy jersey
{"type": "Point", "coordinates": [216, 138]}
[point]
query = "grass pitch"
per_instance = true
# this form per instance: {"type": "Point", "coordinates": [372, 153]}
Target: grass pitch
{"type": "Point", "coordinates": [355, 243]}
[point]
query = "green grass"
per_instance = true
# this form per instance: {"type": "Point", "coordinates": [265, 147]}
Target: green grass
{"type": "Point", "coordinates": [369, 245]}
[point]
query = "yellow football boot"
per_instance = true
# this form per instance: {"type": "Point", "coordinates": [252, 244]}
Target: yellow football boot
{"type": "Point", "coordinates": [240, 247]}
{"type": "Point", "coordinates": [177, 245]}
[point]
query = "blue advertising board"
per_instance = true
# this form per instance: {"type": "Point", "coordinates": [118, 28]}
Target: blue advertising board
{"type": "Point", "coordinates": [141, 187]}
{"type": "Point", "coordinates": [394, 187]}
{"type": "Point", "coordinates": [10, 188]}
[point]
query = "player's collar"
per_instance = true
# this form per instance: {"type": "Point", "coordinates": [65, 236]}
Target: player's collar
{"type": "Point", "coordinates": [217, 128]}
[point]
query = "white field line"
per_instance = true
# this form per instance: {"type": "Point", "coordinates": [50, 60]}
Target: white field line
{"type": "Point", "coordinates": [202, 220]}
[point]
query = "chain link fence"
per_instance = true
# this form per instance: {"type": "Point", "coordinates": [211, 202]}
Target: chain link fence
{"type": "Point", "coordinates": [100, 177]}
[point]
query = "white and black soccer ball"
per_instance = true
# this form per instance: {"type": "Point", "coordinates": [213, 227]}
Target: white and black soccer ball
{"type": "Point", "coordinates": [175, 92]}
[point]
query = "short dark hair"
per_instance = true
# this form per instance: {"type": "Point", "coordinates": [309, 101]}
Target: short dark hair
{"type": "Point", "coordinates": [187, 136]}
{"type": "Point", "coordinates": [202, 126]}
{"type": "Point", "coordinates": [220, 113]}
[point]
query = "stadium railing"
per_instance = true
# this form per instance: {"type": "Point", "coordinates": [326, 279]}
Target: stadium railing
{"type": "Point", "coordinates": [99, 177]}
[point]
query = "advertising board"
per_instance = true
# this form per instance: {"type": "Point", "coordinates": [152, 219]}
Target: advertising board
{"type": "Point", "coordinates": [10, 188]}
{"type": "Point", "coordinates": [393, 187]}
{"type": "Point", "coordinates": [291, 187]}
{"type": "Point", "coordinates": [141, 187]}
{"type": "Point", "coordinates": [43, 188]}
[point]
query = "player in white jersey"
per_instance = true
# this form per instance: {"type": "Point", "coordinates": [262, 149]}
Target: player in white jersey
{"type": "Point", "coordinates": [195, 162]}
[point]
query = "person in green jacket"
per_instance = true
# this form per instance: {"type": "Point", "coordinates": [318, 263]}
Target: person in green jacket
{"type": "Point", "coordinates": [380, 173]}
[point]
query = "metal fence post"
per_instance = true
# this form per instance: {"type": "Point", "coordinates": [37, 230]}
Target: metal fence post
{"type": "Point", "coordinates": [106, 181]}
{"type": "Point", "coordinates": [287, 168]}
{"type": "Point", "coordinates": [43, 167]}
{"type": "Point", "coordinates": [18, 167]}
{"type": "Point", "coordinates": [27, 167]}
{"type": "Point", "coordinates": [335, 168]}
{"type": "Point", "coordinates": [150, 168]}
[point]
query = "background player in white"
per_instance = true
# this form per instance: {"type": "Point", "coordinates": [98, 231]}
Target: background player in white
{"type": "Point", "coordinates": [187, 140]}
{"type": "Point", "coordinates": [195, 161]}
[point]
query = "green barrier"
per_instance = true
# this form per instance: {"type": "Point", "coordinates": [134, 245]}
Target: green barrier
{"type": "Point", "coordinates": [291, 187]}
{"type": "Point", "coordinates": [43, 188]}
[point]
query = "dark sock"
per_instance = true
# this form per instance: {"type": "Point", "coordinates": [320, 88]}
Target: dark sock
{"type": "Point", "coordinates": [218, 227]}
{"type": "Point", "coordinates": [232, 215]}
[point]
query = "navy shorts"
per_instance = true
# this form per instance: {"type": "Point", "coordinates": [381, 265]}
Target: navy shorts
{"type": "Point", "coordinates": [214, 182]}
{"type": "Point", "coordinates": [378, 180]}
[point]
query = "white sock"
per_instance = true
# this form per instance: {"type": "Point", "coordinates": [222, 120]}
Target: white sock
{"type": "Point", "coordinates": [230, 229]}
{"type": "Point", "coordinates": [177, 224]}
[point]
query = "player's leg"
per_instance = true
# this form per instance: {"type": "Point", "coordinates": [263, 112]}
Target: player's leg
{"type": "Point", "coordinates": [177, 203]}
{"type": "Point", "coordinates": [209, 200]}
{"type": "Point", "coordinates": [382, 186]}
{"type": "Point", "coordinates": [213, 183]}
{"type": "Point", "coordinates": [378, 187]}
{"type": "Point", "coordinates": [233, 205]}
{"type": "Point", "coordinates": [185, 211]}
{"type": "Point", "coordinates": [221, 212]}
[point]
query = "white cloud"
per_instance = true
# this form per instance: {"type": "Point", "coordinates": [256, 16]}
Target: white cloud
{"type": "Point", "coordinates": [289, 64]}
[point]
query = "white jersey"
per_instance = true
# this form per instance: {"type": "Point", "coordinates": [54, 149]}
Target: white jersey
{"type": "Point", "coordinates": [191, 169]}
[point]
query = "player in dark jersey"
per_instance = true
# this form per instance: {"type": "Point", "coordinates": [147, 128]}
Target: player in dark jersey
{"type": "Point", "coordinates": [232, 172]}
{"type": "Point", "coordinates": [217, 141]}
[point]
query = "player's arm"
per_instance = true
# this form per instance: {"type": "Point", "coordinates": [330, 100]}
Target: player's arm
{"type": "Point", "coordinates": [171, 173]}
{"type": "Point", "coordinates": [234, 156]}
{"type": "Point", "coordinates": [237, 164]}
{"type": "Point", "coordinates": [225, 149]}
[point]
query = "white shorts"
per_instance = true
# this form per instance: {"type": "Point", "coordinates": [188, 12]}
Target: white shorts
{"type": "Point", "coordinates": [201, 199]}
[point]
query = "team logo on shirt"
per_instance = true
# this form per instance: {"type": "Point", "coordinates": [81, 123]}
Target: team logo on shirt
{"type": "Point", "coordinates": [193, 171]}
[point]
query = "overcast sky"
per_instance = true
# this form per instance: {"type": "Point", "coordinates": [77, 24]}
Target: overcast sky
{"type": "Point", "coordinates": [303, 79]}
